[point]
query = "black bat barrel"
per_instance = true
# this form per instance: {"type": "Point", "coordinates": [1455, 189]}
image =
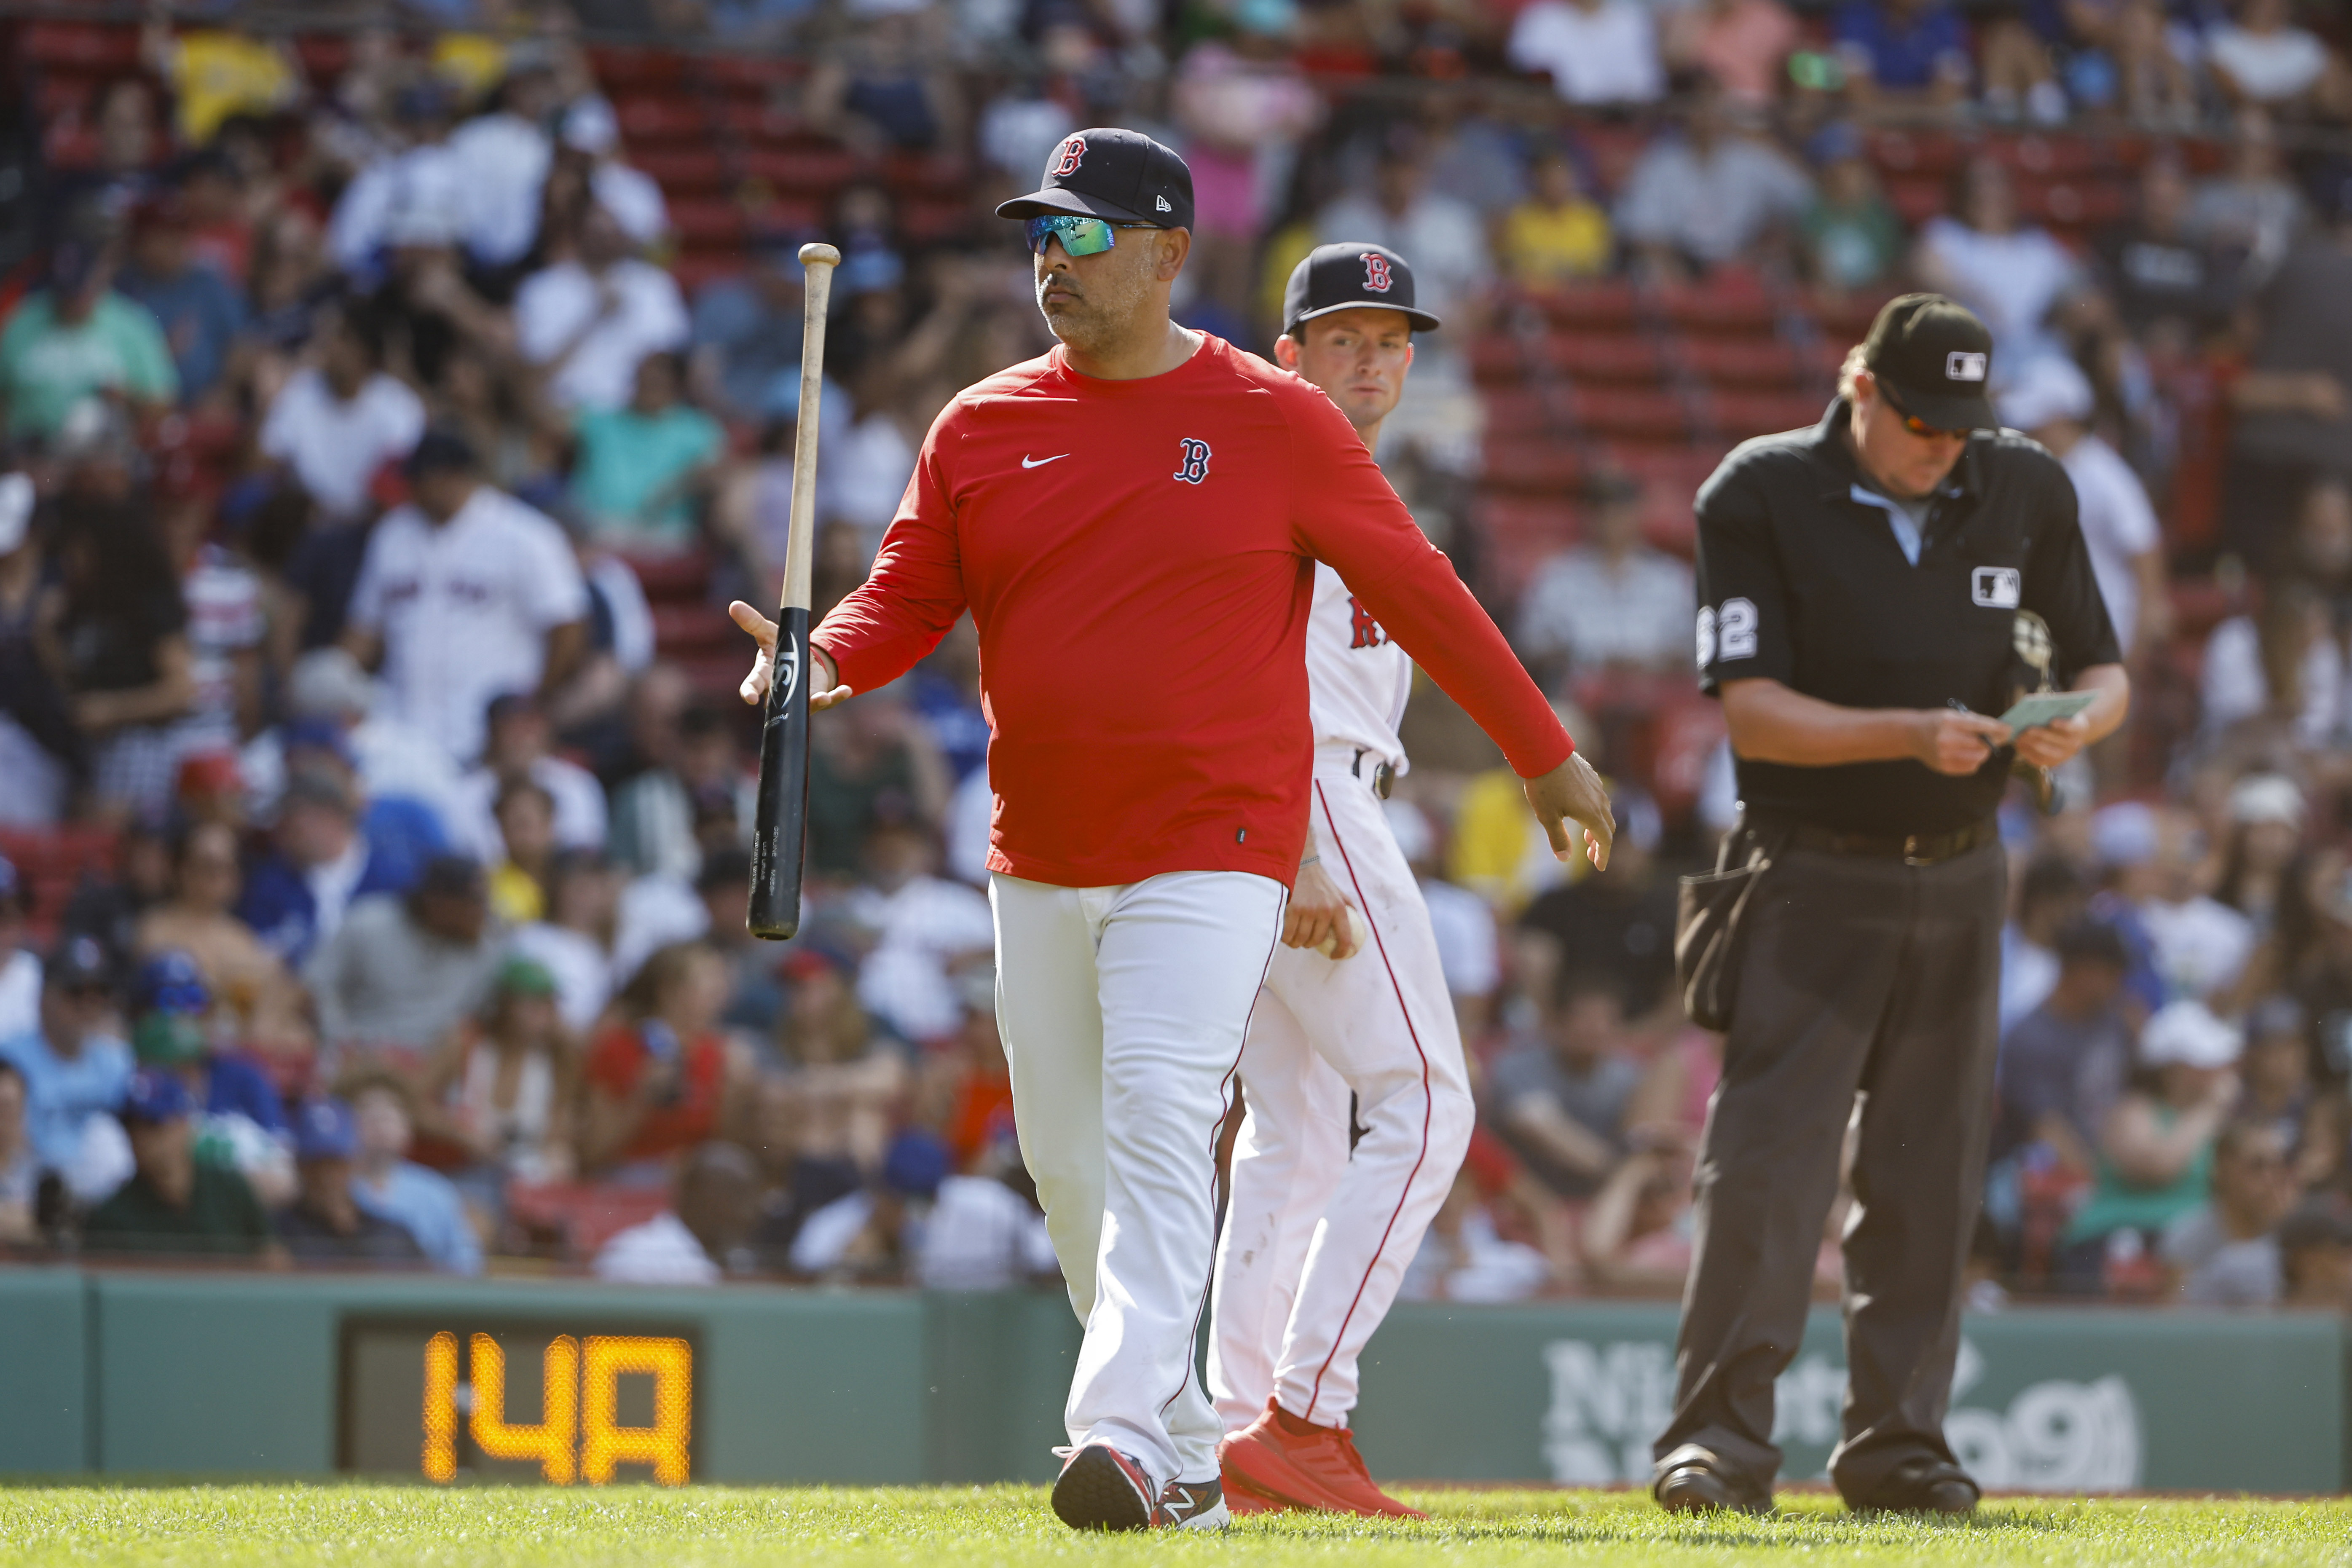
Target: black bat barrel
{"type": "Point", "coordinates": [780, 833]}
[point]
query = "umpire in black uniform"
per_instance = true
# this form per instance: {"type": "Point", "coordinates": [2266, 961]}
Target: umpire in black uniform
{"type": "Point", "coordinates": [1855, 581]}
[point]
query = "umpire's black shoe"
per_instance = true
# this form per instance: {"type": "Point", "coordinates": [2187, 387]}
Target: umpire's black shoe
{"type": "Point", "coordinates": [1921, 1486]}
{"type": "Point", "coordinates": [1695, 1487]}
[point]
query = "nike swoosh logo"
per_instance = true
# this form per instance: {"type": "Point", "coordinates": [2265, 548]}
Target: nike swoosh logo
{"type": "Point", "coordinates": [1029, 462]}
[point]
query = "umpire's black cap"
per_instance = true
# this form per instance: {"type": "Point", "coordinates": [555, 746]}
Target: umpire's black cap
{"type": "Point", "coordinates": [1350, 275]}
{"type": "Point", "coordinates": [1105, 171]}
{"type": "Point", "coordinates": [1937, 358]}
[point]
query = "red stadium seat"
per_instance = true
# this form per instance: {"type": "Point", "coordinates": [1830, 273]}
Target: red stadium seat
{"type": "Point", "coordinates": [1520, 411]}
{"type": "Point", "coordinates": [752, 76]}
{"type": "Point", "coordinates": [1740, 414]}
{"type": "Point", "coordinates": [1844, 318]}
{"type": "Point", "coordinates": [1918, 151]}
{"type": "Point", "coordinates": [665, 118]}
{"type": "Point", "coordinates": [707, 223]}
{"type": "Point", "coordinates": [1918, 200]}
{"type": "Point", "coordinates": [1743, 362]}
{"type": "Point", "coordinates": [684, 627]}
{"type": "Point", "coordinates": [1531, 467]}
{"type": "Point", "coordinates": [1722, 304]}
{"type": "Point", "coordinates": [670, 577]}
{"type": "Point", "coordinates": [80, 45]}
{"type": "Point", "coordinates": [2074, 203]}
{"type": "Point", "coordinates": [631, 70]}
{"type": "Point", "coordinates": [1611, 357]}
{"type": "Point", "coordinates": [928, 221]}
{"type": "Point", "coordinates": [53, 862]}
{"type": "Point", "coordinates": [581, 1218]}
{"type": "Point", "coordinates": [324, 56]}
{"type": "Point", "coordinates": [1609, 305]}
{"type": "Point", "coordinates": [681, 170]}
{"type": "Point", "coordinates": [937, 175]}
{"type": "Point", "coordinates": [1498, 358]}
{"type": "Point", "coordinates": [2056, 156]}
{"type": "Point", "coordinates": [698, 269]}
{"type": "Point", "coordinates": [820, 170]}
{"type": "Point", "coordinates": [1630, 411]}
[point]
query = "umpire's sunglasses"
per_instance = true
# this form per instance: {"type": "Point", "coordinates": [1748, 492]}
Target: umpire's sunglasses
{"type": "Point", "coordinates": [1079, 235]}
{"type": "Point", "coordinates": [1912, 422]}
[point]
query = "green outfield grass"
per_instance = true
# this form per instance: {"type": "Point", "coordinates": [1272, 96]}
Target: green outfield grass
{"type": "Point", "coordinates": [347, 1526]}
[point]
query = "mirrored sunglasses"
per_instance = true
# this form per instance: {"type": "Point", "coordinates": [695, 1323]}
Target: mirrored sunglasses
{"type": "Point", "coordinates": [1912, 422]}
{"type": "Point", "coordinates": [1079, 235]}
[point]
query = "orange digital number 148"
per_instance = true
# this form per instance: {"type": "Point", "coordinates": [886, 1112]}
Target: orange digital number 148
{"type": "Point", "coordinates": [579, 1436]}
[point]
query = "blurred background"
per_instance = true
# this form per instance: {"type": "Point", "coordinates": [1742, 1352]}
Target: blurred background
{"type": "Point", "coordinates": [338, 931]}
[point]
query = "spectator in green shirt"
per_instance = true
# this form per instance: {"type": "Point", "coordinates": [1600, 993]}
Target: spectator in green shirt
{"type": "Point", "coordinates": [79, 339]}
{"type": "Point", "coordinates": [175, 1204]}
{"type": "Point", "coordinates": [639, 470]}
{"type": "Point", "coordinates": [1853, 239]}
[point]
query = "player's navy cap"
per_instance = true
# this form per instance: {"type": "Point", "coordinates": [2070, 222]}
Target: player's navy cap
{"type": "Point", "coordinates": [1105, 171]}
{"type": "Point", "coordinates": [1938, 357]}
{"type": "Point", "coordinates": [324, 1130]}
{"type": "Point", "coordinates": [155, 1096]}
{"type": "Point", "coordinates": [1348, 276]}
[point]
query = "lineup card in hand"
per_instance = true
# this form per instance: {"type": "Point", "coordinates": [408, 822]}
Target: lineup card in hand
{"type": "Point", "coordinates": [2046, 708]}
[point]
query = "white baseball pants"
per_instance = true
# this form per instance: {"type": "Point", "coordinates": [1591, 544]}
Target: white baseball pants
{"type": "Point", "coordinates": [1123, 1011]}
{"type": "Point", "coordinates": [1317, 1241]}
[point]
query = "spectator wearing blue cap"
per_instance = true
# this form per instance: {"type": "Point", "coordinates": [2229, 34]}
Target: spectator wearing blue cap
{"type": "Point", "coordinates": [327, 1226]}
{"type": "Point", "coordinates": [76, 1071]}
{"type": "Point", "coordinates": [878, 1235]}
{"type": "Point", "coordinates": [319, 860]}
{"type": "Point", "coordinates": [174, 1203]}
{"type": "Point", "coordinates": [390, 1185]}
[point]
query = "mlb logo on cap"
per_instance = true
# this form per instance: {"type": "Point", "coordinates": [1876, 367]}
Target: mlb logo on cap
{"type": "Point", "coordinates": [1962, 365]}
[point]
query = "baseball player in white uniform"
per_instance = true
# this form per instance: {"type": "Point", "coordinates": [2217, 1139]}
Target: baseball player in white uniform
{"type": "Point", "coordinates": [1316, 1241]}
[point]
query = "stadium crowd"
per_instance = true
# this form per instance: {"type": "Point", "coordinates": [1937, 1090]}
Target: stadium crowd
{"type": "Point", "coordinates": [391, 394]}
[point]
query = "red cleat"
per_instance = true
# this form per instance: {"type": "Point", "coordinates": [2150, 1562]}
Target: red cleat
{"type": "Point", "coordinates": [1297, 1464]}
{"type": "Point", "coordinates": [1244, 1500]}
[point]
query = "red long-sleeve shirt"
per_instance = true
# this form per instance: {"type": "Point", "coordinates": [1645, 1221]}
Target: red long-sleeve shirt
{"type": "Point", "coordinates": [1138, 558]}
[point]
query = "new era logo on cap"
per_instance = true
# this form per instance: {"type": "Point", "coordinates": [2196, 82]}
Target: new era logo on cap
{"type": "Point", "coordinates": [1962, 364]}
{"type": "Point", "coordinates": [1109, 173]}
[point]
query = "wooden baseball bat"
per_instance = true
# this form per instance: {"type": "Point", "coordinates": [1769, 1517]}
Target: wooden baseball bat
{"type": "Point", "coordinates": [778, 839]}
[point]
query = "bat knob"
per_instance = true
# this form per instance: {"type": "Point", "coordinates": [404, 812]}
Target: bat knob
{"type": "Point", "coordinates": [819, 255]}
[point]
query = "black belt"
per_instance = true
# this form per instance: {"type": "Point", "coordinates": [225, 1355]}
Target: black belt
{"type": "Point", "coordinates": [1912, 849]}
{"type": "Point", "coordinates": [1383, 775]}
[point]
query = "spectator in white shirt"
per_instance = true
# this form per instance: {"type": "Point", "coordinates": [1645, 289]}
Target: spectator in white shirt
{"type": "Point", "coordinates": [1613, 603]}
{"type": "Point", "coordinates": [422, 187]}
{"type": "Point", "coordinates": [465, 593]}
{"type": "Point", "coordinates": [334, 423]}
{"type": "Point", "coordinates": [2263, 58]}
{"type": "Point", "coordinates": [1710, 196]}
{"type": "Point", "coordinates": [585, 323]}
{"type": "Point", "coordinates": [590, 134]}
{"type": "Point", "coordinates": [519, 744]}
{"type": "Point", "coordinates": [923, 925]}
{"type": "Point", "coordinates": [504, 154]}
{"type": "Point", "coordinates": [2283, 669]}
{"type": "Point", "coordinates": [1596, 51]}
{"type": "Point", "coordinates": [717, 1205]}
{"type": "Point", "coordinates": [2008, 272]}
{"type": "Point", "coordinates": [2051, 400]}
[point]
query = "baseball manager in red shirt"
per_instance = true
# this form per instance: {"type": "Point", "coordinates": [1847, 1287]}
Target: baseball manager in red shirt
{"type": "Point", "coordinates": [1133, 520]}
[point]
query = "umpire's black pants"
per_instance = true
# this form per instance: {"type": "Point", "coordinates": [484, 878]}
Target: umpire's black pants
{"type": "Point", "coordinates": [1865, 976]}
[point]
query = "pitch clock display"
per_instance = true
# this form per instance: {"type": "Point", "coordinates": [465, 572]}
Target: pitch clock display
{"type": "Point", "coordinates": [461, 1400]}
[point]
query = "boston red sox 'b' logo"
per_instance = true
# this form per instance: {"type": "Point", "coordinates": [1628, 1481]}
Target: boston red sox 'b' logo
{"type": "Point", "coordinates": [1367, 630]}
{"type": "Point", "coordinates": [1066, 161]}
{"type": "Point", "coordinates": [1195, 467]}
{"type": "Point", "coordinates": [1376, 273]}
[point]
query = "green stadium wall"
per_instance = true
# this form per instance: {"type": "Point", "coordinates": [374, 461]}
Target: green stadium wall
{"type": "Point", "coordinates": [155, 1374]}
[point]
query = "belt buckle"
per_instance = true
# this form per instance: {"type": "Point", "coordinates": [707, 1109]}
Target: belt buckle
{"type": "Point", "coordinates": [1383, 780]}
{"type": "Point", "coordinates": [1911, 851]}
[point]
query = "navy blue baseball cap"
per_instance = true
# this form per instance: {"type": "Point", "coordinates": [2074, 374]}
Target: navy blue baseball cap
{"type": "Point", "coordinates": [1107, 172]}
{"type": "Point", "coordinates": [1352, 276]}
{"type": "Point", "coordinates": [170, 982]}
{"type": "Point", "coordinates": [155, 1096]}
{"type": "Point", "coordinates": [77, 963]}
{"type": "Point", "coordinates": [324, 1130]}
